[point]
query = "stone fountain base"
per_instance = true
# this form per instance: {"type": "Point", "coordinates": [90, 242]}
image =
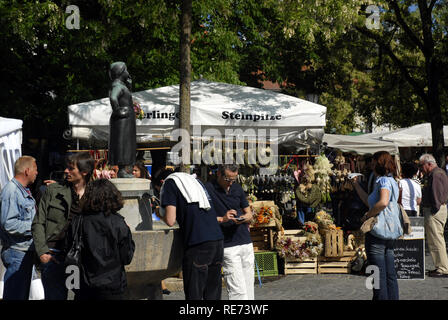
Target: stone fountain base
{"type": "Point", "coordinates": [158, 248]}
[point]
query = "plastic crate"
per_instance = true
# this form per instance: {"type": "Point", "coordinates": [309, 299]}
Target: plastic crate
{"type": "Point", "coordinates": [267, 263]}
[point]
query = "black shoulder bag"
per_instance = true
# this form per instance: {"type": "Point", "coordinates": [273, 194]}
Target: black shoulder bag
{"type": "Point", "coordinates": [73, 256]}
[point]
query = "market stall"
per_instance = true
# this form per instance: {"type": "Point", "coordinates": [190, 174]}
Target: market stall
{"type": "Point", "coordinates": [412, 141]}
{"type": "Point", "coordinates": [359, 144]}
{"type": "Point", "coordinates": [10, 147]}
{"type": "Point", "coordinates": [216, 109]}
{"type": "Point", "coordinates": [304, 196]}
{"type": "Point", "coordinates": [295, 195]}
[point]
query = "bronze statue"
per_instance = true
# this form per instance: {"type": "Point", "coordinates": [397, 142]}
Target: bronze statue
{"type": "Point", "coordinates": [122, 133]}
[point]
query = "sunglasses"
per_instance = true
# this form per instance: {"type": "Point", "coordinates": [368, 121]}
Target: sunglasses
{"type": "Point", "coordinates": [229, 180]}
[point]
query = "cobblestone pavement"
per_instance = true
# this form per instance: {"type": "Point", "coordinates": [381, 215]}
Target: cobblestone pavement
{"type": "Point", "coordinates": [338, 287]}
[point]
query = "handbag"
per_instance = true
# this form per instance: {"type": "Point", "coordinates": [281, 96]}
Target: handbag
{"type": "Point", "coordinates": [406, 222]}
{"type": "Point", "coordinates": [387, 225]}
{"type": "Point", "coordinates": [73, 256]}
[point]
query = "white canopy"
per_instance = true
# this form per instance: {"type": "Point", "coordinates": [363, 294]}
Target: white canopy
{"type": "Point", "coordinates": [214, 105]}
{"type": "Point", "coordinates": [415, 136]}
{"type": "Point", "coordinates": [359, 144]}
{"type": "Point", "coordinates": [10, 147]}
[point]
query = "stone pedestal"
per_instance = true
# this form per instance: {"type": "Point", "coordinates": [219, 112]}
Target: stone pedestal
{"type": "Point", "coordinates": [158, 248]}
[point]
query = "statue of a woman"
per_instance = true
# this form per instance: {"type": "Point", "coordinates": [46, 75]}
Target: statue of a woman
{"type": "Point", "coordinates": [122, 133]}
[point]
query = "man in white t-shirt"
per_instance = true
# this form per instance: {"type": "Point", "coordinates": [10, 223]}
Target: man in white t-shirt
{"type": "Point", "coordinates": [410, 190]}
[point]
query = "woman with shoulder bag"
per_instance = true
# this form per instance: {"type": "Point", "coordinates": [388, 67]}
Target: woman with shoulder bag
{"type": "Point", "coordinates": [386, 226]}
{"type": "Point", "coordinates": [106, 243]}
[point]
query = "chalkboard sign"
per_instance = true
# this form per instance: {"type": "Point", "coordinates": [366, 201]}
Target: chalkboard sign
{"type": "Point", "coordinates": [410, 255]}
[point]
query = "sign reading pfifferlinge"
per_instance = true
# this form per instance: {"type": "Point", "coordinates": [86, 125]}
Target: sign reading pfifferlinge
{"type": "Point", "coordinates": [410, 255]}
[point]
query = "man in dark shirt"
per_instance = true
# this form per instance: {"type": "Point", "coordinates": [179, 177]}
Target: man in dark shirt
{"type": "Point", "coordinates": [202, 238]}
{"type": "Point", "coordinates": [433, 206]}
{"type": "Point", "coordinates": [234, 215]}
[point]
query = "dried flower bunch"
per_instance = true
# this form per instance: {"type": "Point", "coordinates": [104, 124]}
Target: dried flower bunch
{"type": "Point", "coordinates": [324, 221]}
{"type": "Point", "coordinates": [263, 215]}
{"type": "Point", "coordinates": [307, 179]}
{"type": "Point", "coordinates": [322, 168]}
{"type": "Point", "coordinates": [139, 113]}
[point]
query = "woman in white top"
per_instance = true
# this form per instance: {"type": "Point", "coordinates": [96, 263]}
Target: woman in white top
{"type": "Point", "coordinates": [410, 190]}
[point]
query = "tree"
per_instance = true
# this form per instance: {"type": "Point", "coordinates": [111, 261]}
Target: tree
{"type": "Point", "coordinates": [413, 36]}
{"type": "Point", "coordinates": [185, 71]}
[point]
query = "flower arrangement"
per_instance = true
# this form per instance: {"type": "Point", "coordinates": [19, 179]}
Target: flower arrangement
{"type": "Point", "coordinates": [310, 227]}
{"type": "Point", "coordinates": [251, 197]}
{"type": "Point", "coordinates": [293, 249]}
{"type": "Point", "coordinates": [324, 221]}
{"type": "Point", "coordinates": [303, 248]}
{"type": "Point", "coordinates": [322, 168]}
{"type": "Point", "coordinates": [307, 179]}
{"type": "Point", "coordinates": [139, 113]}
{"type": "Point", "coordinates": [300, 250]}
{"type": "Point", "coordinates": [263, 216]}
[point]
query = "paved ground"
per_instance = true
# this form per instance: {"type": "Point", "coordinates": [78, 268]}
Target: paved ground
{"type": "Point", "coordinates": [337, 287]}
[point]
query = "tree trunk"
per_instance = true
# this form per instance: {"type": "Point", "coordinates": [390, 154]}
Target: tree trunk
{"type": "Point", "coordinates": [435, 113]}
{"type": "Point", "coordinates": [185, 71]}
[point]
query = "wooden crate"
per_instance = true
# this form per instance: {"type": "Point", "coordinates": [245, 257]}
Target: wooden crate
{"type": "Point", "coordinates": [333, 243]}
{"type": "Point", "coordinates": [293, 234]}
{"type": "Point", "coordinates": [308, 266]}
{"type": "Point", "coordinates": [294, 266]}
{"type": "Point", "coordinates": [262, 238]}
{"type": "Point", "coordinates": [336, 264]}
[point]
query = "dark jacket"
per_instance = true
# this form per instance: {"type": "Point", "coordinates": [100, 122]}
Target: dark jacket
{"type": "Point", "coordinates": [51, 216]}
{"type": "Point", "coordinates": [435, 191]}
{"type": "Point", "coordinates": [107, 246]}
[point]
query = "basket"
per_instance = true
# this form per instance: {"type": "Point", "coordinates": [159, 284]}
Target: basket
{"type": "Point", "coordinates": [267, 263]}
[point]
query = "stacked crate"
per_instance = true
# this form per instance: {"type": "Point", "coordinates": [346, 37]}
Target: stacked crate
{"type": "Point", "coordinates": [295, 266]}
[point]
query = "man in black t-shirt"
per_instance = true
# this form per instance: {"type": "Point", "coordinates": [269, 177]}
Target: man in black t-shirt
{"type": "Point", "coordinates": [202, 236]}
{"type": "Point", "coordinates": [234, 215]}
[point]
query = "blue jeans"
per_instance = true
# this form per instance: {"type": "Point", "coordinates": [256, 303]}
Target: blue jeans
{"type": "Point", "coordinates": [381, 254]}
{"type": "Point", "coordinates": [17, 278]}
{"type": "Point", "coordinates": [53, 279]}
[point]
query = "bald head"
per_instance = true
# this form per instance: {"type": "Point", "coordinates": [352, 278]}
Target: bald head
{"type": "Point", "coordinates": [25, 170]}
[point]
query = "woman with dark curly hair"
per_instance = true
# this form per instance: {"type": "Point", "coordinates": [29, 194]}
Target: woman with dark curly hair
{"type": "Point", "coordinates": [107, 243]}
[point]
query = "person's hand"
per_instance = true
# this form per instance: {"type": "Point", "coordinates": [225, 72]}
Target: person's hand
{"type": "Point", "coordinates": [48, 182]}
{"type": "Point", "coordinates": [229, 216]}
{"type": "Point", "coordinates": [46, 257]}
{"type": "Point", "coordinates": [364, 217]}
{"type": "Point", "coordinates": [354, 180]}
{"type": "Point", "coordinates": [243, 220]}
{"type": "Point", "coordinates": [157, 211]}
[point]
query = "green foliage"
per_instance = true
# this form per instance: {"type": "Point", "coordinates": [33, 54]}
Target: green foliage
{"type": "Point", "coordinates": [310, 47]}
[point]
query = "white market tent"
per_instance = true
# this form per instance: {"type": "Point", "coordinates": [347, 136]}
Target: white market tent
{"type": "Point", "coordinates": [219, 106]}
{"type": "Point", "coordinates": [10, 151]}
{"type": "Point", "coordinates": [359, 144]}
{"type": "Point", "coordinates": [415, 136]}
{"type": "Point", "coordinates": [10, 147]}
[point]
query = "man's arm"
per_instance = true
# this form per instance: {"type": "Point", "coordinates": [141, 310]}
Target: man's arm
{"type": "Point", "coordinates": [10, 217]}
{"type": "Point", "coordinates": [247, 215]}
{"type": "Point", "coordinates": [170, 215]}
{"type": "Point", "coordinates": [38, 226]}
